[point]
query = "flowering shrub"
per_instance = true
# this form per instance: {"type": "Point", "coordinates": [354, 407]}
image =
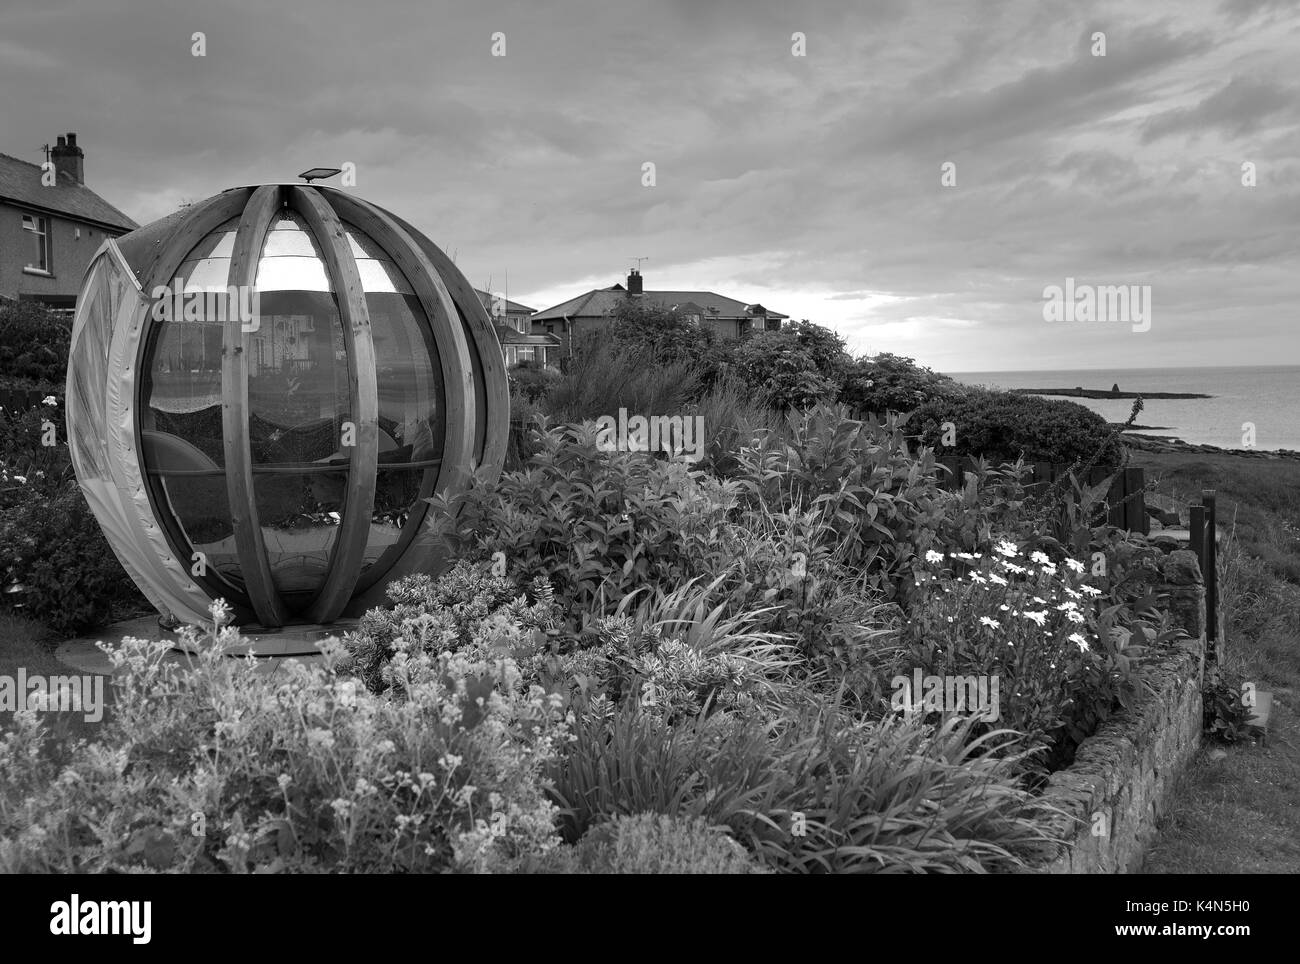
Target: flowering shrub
{"type": "Point", "coordinates": [29, 468]}
{"type": "Point", "coordinates": [1031, 624]}
{"type": "Point", "coordinates": [211, 766]}
{"type": "Point", "coordinates": [670, 678]}
{"type": "Point", "coordinates": [465, 607]}
{"type": "Point", "coordinates": [470, 611]}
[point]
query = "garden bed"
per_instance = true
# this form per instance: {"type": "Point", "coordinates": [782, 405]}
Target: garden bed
{"type": "Point", "coordinates": [1108, 801]}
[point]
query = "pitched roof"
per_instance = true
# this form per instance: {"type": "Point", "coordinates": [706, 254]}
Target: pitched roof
{"type": "Point", "coordinates": [20, 181]}
{"type": "Point", "coordinates": [512, 307]}
{"type": "Point", "coordinates": [690, 308]}
{"type": "Point", "coordinates": [600, 302]}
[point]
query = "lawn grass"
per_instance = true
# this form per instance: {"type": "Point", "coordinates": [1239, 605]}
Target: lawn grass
{"type": "Point", "coordinates": [1234, 810]}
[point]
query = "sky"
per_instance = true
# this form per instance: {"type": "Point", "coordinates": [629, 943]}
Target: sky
{"type": "Point", "coordinates": [810, 180]}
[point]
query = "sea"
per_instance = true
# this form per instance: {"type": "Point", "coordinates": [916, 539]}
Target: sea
{"type": "Point", "coordinates": [1268, 398]}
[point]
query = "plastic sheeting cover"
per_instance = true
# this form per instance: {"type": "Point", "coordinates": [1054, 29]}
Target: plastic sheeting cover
{"type": "Point", "coordinates": [105, 335]}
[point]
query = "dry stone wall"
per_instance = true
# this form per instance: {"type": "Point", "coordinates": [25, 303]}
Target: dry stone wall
{"type": "Point", "coordinates": [1110, 799]}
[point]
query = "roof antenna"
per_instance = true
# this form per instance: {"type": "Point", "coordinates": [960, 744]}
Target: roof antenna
{"type": "Point", "coordinates": [638, 263]}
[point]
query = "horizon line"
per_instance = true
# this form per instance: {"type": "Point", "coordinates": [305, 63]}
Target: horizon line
{"type": "Point", "coordinates": [1170, 368]}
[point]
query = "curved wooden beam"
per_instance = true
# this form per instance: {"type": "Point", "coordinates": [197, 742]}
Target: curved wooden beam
{"type": "Point", "coordinates": [349, 549]}
{"type": "Point", "coordinates": [454, 360]}
{"type": "Point", "coordinates": [251, 547]}
{"type": "Point", "coordinates": [491, 396]}
{"type": "Point", "coordinates": [492, 386]}
{"type": "Point", "coordinates": [162, 264]}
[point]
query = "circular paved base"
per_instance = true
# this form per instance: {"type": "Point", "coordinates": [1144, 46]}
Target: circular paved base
{"type": "Point", "coordinates": [291, 642]}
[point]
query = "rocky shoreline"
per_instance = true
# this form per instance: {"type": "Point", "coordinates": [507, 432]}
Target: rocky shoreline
{"type": "Point", "coordinates": [1162, 444]}
{"type": "Point", "coordinates": [1102, 393]}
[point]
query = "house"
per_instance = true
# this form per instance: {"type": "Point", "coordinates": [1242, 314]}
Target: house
{"type": "Point", "coordinates": [51, 226]}
{"type": "Point", "coordinates": [729, 318]}
{"type": "Point", "coordinates": [513, 323]}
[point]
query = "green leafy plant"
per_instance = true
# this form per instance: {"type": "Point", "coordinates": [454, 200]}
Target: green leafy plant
{"type": "Point", "coordinates": [531, 380]}
{"type": "Point", "coordinates": [1226, 715]}
{"type": "Point", "coordinates": [796, 367]}
{"type": "Point", "coordinates": [29, 468]}
{"type": "Point", "coordinates": [56, 565]}
{"type": "Point", "coordinates": [879, 499]}
{"type": "Point", "coordinates": [893, 383]}
{"type": "Point", "coordinates": [650, 843]}
{"type": "Point", "coordinates": [1006, 426]}
{"type": "Point", "coordinates": [819, 793]}
{"type": "Point", "coordinates": [34, 343]}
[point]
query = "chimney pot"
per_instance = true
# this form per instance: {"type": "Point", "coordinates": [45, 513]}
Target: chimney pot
{"type": "Point", "coordinates": [634, 282]}
{"type": "Point", "coordinates": [69, 159]}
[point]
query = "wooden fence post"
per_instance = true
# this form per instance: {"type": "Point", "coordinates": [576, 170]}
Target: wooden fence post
{"type": "Point", "coordinates": [1136, 519]}
{"type": "Point", "coordinates": [1211, 573]}
{"type": "Point", "coordinates": [1115, 508]}
{"type": "Point", "coordinates": [951, 479]}
{"type": "Point", "coordinates": [1196, 527]}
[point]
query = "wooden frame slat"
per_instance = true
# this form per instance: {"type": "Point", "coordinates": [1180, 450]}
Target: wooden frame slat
{"type": "Point", "coordinates": [490, 369]}
{"type": "Point", "coordinates": [457, 376]}
{"type": "Point", "coordinates": [359, 502]}
{"type": "Point", "coordinates": [250, 546]}
{"type": "Point", "coordinates": [171, 252]}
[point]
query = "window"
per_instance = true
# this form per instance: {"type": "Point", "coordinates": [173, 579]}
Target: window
{"type": "Point", "coordinates": [40, 242]}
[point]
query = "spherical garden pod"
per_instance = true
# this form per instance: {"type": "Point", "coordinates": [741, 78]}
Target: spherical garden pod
{"type": "Point", "coordinates": [264, 388]}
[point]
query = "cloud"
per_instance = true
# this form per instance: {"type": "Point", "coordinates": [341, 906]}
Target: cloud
{"type": "Point", "coordinates": [810, 184]}
{"type": "Point", "coordinates": [1237, 109]}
